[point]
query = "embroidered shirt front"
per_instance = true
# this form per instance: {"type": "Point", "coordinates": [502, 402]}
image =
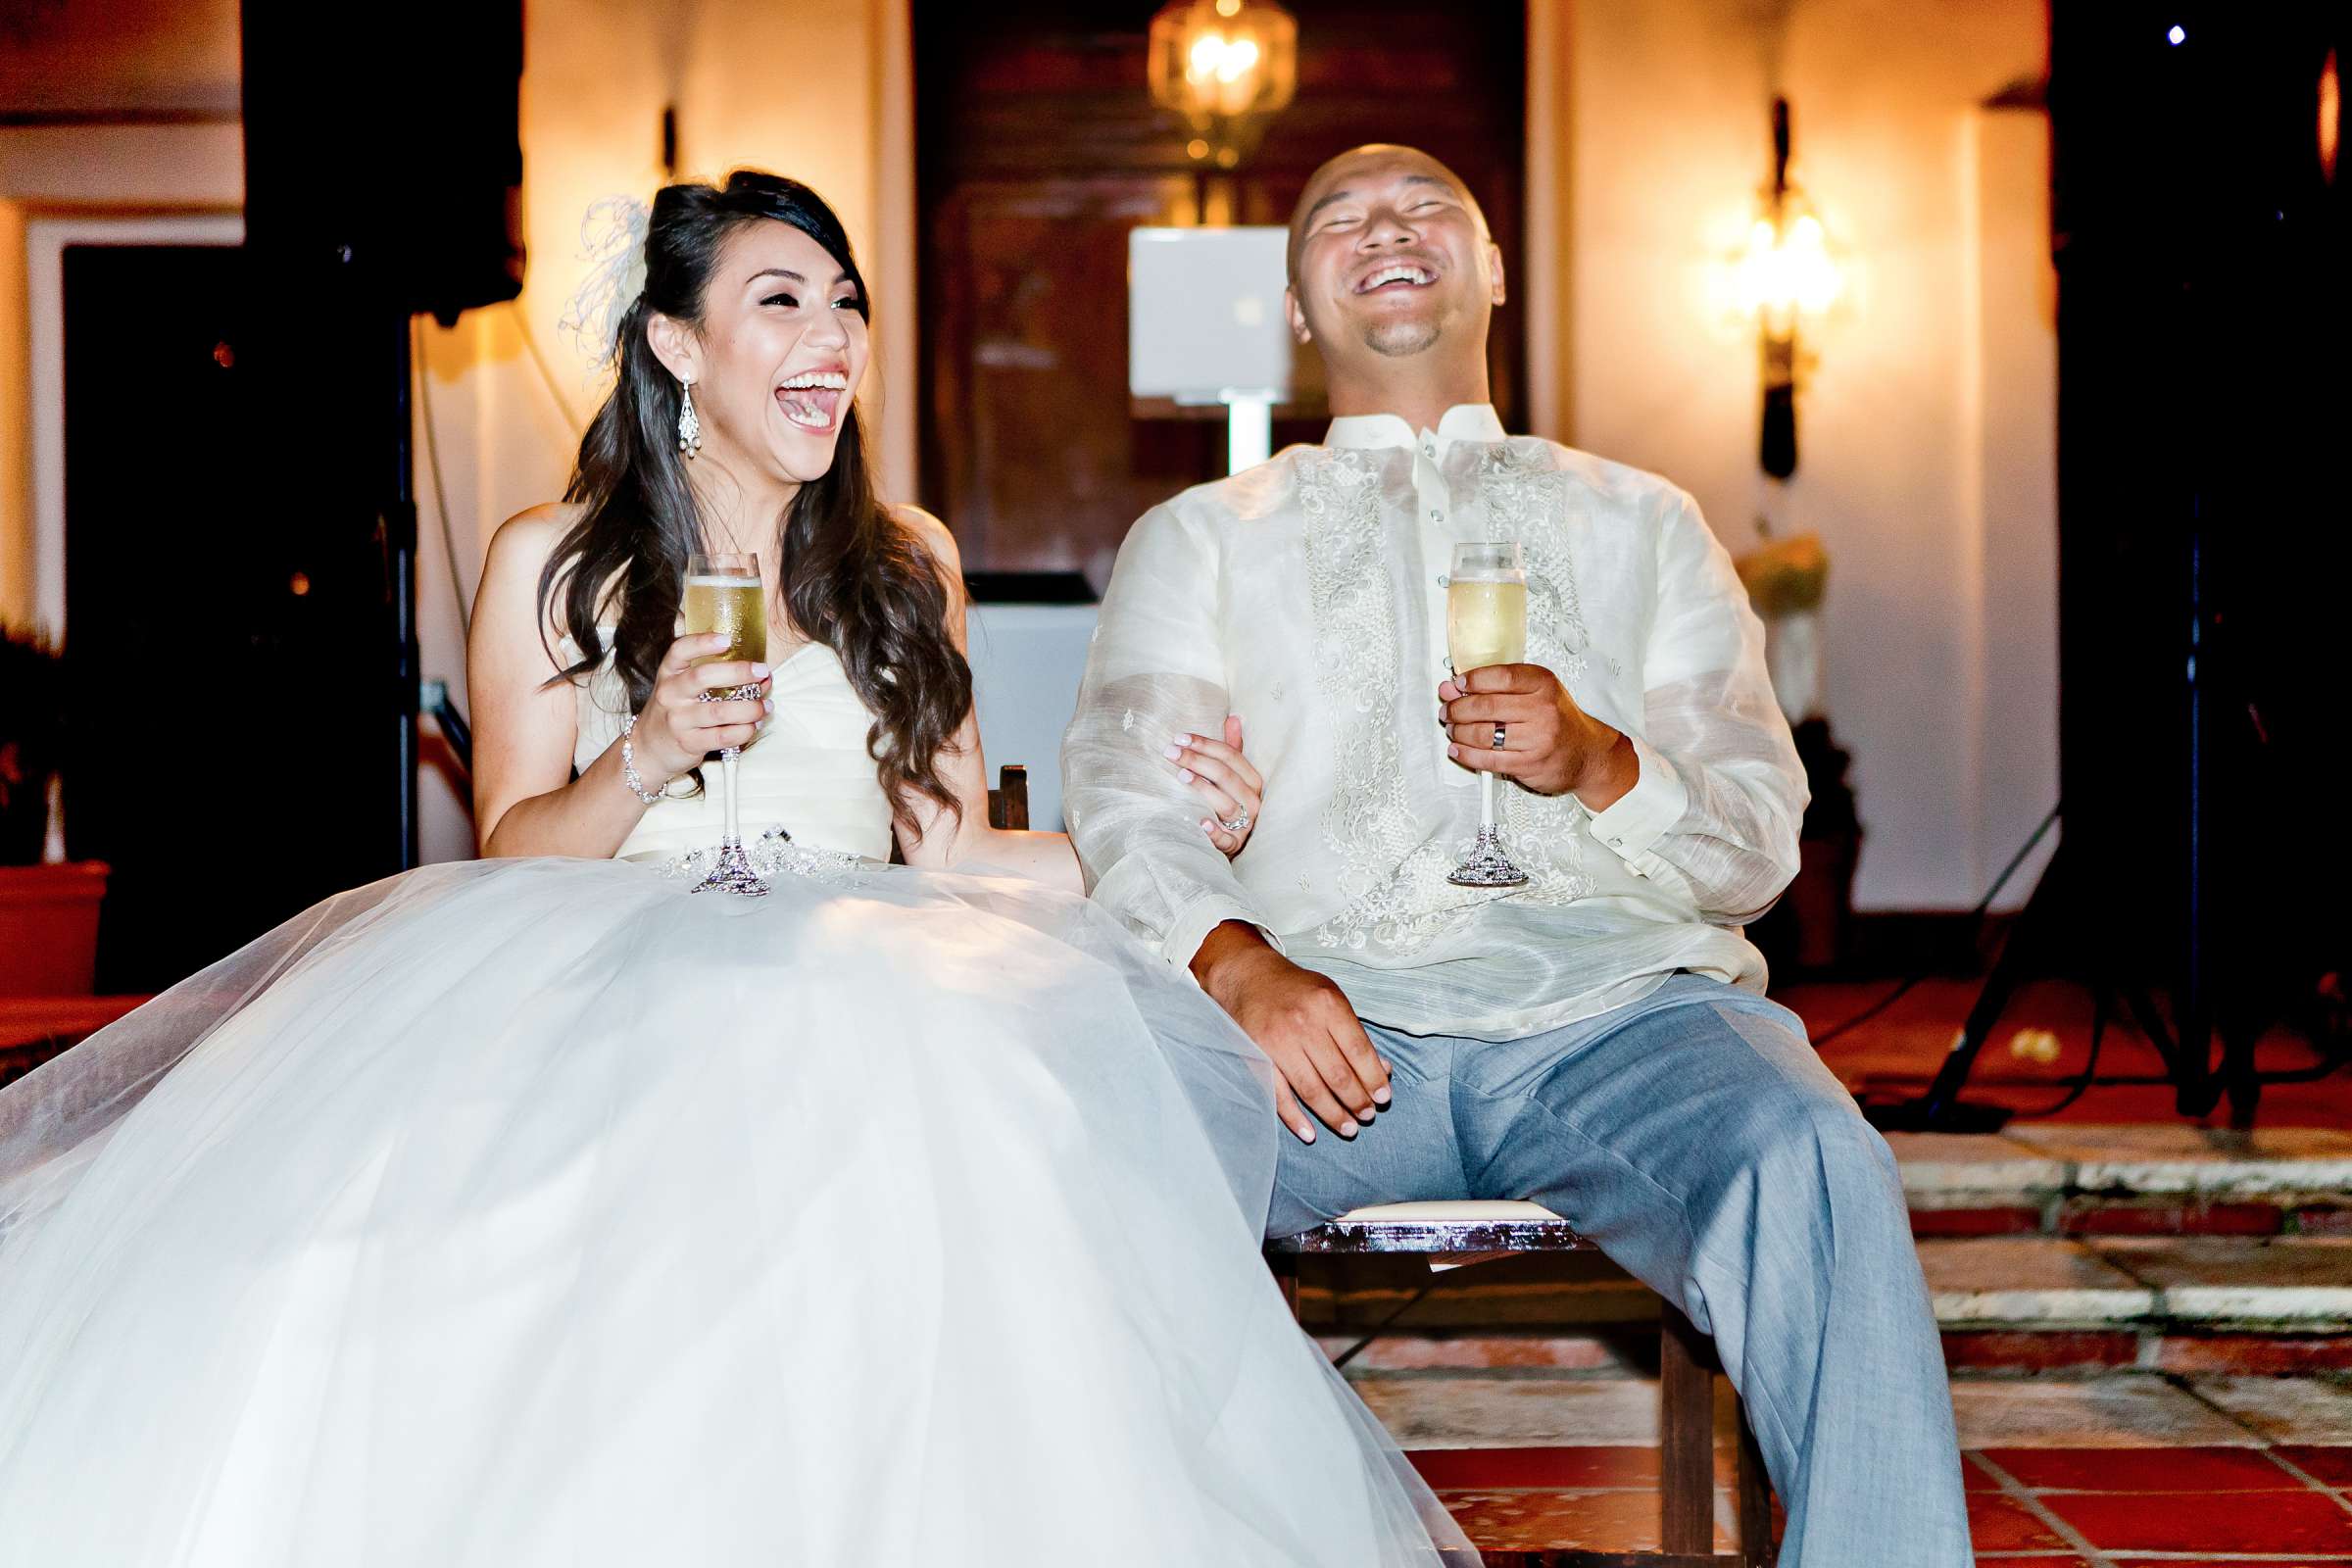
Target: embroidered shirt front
{"type": "Point", "coordinates": [1308, 595]}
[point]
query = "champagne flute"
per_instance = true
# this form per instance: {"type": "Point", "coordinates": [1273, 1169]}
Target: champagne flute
{"type": "Point", "coordinates": [1485, 623]}
{"type": "Point", "coordinates": [723, 596]}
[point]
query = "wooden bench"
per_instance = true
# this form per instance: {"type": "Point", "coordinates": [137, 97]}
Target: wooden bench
{"type": "Point", "coordinates": [1455, 1235]}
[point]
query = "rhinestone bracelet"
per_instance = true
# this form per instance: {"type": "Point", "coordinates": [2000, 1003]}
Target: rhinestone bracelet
{"type": "Point", "coordinates": [628, 767]}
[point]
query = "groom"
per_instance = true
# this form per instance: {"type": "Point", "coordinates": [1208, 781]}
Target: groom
{"type": "Point", "coordinates": [1596, 1040]}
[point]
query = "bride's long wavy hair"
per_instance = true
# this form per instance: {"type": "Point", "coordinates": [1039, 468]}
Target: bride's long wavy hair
{"type": "Point", "coordinates": [852, 575]}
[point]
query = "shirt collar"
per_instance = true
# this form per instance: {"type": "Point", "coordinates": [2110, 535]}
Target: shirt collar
{"type": "Point", "coordinates": [1464, 421]}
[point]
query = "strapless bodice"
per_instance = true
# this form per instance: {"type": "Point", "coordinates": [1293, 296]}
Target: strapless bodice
{"type": "Point", "coordinates": [807, 772]}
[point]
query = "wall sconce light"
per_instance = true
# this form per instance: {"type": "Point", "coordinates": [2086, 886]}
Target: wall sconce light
{"type": "Point", "coordinates": [1785, 277]}
{"type": "Point", "coordinates": [1225, 66]}
{"type": "Point", "coordinates": [2331, 108]}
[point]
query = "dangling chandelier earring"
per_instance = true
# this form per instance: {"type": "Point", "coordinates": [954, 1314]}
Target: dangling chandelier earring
{"type": "Point", "coordinates": [689, 428]}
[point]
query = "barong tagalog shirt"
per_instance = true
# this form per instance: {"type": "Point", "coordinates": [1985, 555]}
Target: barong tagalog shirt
{"type": "Point", "coordinates": [1308, 595]}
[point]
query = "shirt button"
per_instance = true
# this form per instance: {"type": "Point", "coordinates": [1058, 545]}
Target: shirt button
{"type": "Point", "coordinates": [1435, 515]}
{"type": "Point", "coordinates": [1427, 450]}
{"type": "Point", "coordinates": [1441, 580]}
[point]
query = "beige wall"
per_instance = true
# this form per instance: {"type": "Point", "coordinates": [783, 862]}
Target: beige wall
{"type": "Point", "coordinates": [1924, 433]}
{"type": "Point", "coordinates": [1926, 430]}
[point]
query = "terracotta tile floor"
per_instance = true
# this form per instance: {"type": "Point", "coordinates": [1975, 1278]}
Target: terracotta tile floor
{"type": "Point", "coordinates": [2083, 1508]}
{"type": "Point", "coordinates": [1895, 1054]}
{"type": "Point", "coordinates": [2118, 1471]}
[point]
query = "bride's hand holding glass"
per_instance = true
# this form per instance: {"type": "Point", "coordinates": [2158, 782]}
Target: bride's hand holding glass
{"type": "Point", "coordinates": [677, 727]}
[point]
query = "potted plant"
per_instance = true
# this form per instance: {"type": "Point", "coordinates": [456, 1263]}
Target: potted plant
{"type": "Point", "coordinates": [48, 911]}
{"type": "Point", "coordinates": [1811, 927]}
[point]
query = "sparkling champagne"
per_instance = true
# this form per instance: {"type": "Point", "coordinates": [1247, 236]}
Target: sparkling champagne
{"type": "Point", "coordinates": [723, 598]}
{"type": "Point", "coordinates": [1485, 623]}
{"type": "Point", "coordinates": [734, 606]}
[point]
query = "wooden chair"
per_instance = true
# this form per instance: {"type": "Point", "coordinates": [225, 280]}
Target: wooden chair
{"type": "Point", "coordinates": [1457, 1235]}
{"type": "Point", "coordinates": [1454, 1234]}
{"type": "Point", "coordinates": [1008, 801]}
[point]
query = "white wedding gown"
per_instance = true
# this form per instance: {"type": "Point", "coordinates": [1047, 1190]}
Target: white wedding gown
{"type": "Point", "coordinates": [539, 1212]}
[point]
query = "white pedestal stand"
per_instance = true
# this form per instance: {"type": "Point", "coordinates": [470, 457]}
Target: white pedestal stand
{"type": "Point", "coordinates": [1249, 428]}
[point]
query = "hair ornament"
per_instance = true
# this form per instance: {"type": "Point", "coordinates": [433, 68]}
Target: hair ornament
{"type": "Point", "coordinates": [613, 242]}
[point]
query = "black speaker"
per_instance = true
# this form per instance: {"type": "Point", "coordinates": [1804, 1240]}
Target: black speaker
{"type": "Point", "coordinates": [2203, 315]}
{"type": "Point", "coordinates": [382, 143]}
{"type": "Point", "coordinates": [383, 167]}
{"type": "Point", "coordinates": [2205, 401]}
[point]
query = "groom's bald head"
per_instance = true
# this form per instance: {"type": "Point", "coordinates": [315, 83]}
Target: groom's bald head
{"type": "Point", "coordinates": [1334, 183]}
{"type": "Point", "coordinates": [1391, 260]}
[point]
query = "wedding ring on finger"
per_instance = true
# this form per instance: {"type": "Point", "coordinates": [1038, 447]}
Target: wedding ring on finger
{"type": "Point", "coordinates": [1498, 736]}
{"type": "Point", "coordinates": [1240, 824]}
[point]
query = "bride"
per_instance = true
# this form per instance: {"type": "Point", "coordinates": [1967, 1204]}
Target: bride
{"type": "Point", "coordinates": [537, 1211]}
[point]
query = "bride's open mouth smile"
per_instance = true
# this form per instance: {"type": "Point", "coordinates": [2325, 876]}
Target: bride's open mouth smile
{"type": "Point", "coordinates": [813, 399]}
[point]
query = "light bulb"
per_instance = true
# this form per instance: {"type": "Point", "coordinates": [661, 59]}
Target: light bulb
{"type": "Point", "coordinates": [1207, 52]}
{"type": "Point", "coordinates": [1812, 277]}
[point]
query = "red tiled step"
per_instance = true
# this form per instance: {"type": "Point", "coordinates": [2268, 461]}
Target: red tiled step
{"type": "Point", "coordinates": [2262, 1354]}
{"type": "Point", "coordinates": [2013, 1219]}
{"type": "Point", "coordinates": [2106, 1216]}
{"type": "Point", "coordinates": [1494, 1469]}
{"type": "Point", "coordinates": [1998, 1522]}
{"type": "Point", "coordinates": [2166, 1178]}
{"type": "Point", "coordinates": [2189, 1469]}
{"type": "Point", "coordinates": [2302, 1520]}
{"type": "Point", "coordinates": [2249, 1504]}
{"type": "Point", "coordinates": [33, 1029]}
{"type": "Point", "coordinates": [2040, 1303]}
{"type": "Point", "coordinates": [2046, 1350]}
{"type": "Point", "coordinates": [2332, 1465]}
{"type": "Point", "coordinates": [1502, 1521]}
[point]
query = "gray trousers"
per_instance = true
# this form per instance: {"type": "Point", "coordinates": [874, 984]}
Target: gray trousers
{"type": "Point", "coordinates": [1698, 1140]}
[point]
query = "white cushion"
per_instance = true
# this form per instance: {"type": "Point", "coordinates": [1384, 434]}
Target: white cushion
{"type": "Point", "coordinates": [1451, 1211]}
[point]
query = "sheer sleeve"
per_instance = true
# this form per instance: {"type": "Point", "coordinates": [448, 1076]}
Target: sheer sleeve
{"type": "Point", "coordinates": [1155, 671]}
{"type": "Point", "coordinates": [1715, 814]}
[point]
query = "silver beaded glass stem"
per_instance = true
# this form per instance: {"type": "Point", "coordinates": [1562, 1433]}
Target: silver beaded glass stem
{"type": "Point", "coordinates": [1485, 623]}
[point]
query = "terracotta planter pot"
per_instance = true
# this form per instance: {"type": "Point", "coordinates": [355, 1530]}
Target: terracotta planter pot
{"type": "Point", "coordinates": [1822, 898]}
{"type": "Point", "coordinates": [49, 928]}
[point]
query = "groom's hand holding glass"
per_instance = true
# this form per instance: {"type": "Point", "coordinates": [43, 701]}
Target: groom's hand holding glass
{"type": "Point", "coordinates": [1549, 745]}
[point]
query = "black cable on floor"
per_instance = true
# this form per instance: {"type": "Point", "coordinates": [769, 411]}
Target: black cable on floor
{"type": "Point", "coordinates": [1976, 921]}
{"type": "Point", "coordinates": [1387, 1323]}
{"type": "Point", "coordinates": [2082, 1082]}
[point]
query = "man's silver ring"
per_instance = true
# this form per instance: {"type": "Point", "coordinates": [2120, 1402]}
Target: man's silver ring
{"type": "Point", "coordinates": [1240, 824]}
{"type": "Point", "coordinates": [1498, 736]}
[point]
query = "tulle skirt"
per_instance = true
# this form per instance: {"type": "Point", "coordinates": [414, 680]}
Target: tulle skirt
{"type": "Point", "coordinates": [537, 1212]}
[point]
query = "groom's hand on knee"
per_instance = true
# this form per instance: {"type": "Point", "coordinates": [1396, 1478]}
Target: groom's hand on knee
{"type": "Point", "coordinates": [1304, 1025]}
